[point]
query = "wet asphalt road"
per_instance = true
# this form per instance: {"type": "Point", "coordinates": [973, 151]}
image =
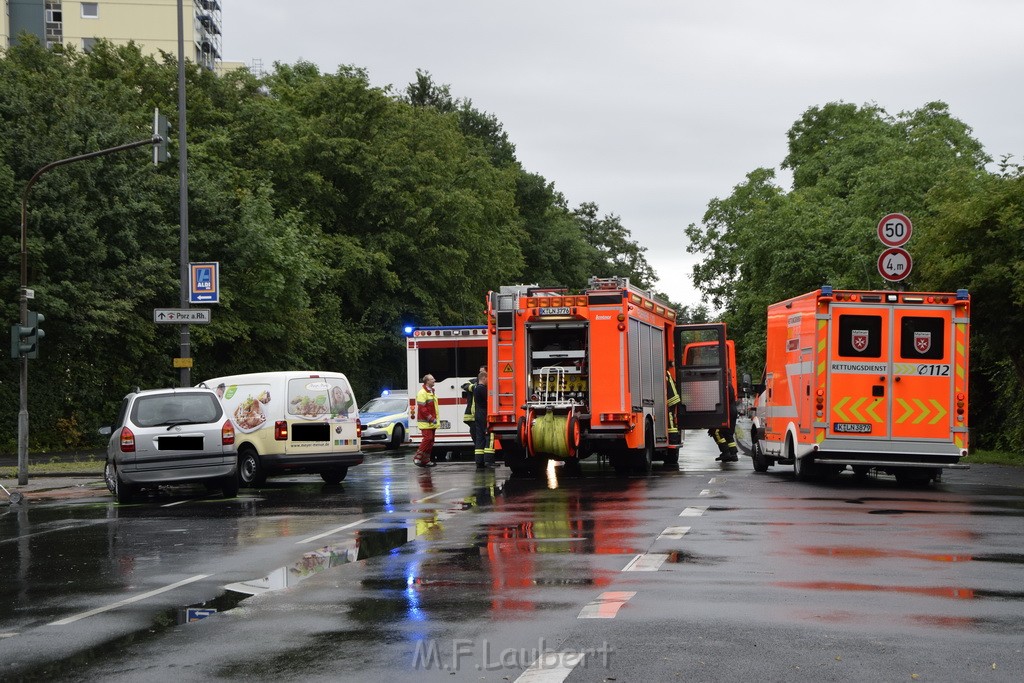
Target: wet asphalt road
{"type": "Point", "coordinates": [709, 573]}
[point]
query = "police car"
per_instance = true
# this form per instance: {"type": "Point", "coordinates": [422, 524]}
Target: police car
{"type": "Point", "coordinates": [386, 419]}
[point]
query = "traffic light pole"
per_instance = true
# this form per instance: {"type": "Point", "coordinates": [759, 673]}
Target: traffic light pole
{"type": "Point", "coordinates": [23, 292]}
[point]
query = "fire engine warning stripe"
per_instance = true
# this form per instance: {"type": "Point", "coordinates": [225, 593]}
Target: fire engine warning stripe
{"type": "Point", "coordinates": [606, 606]}
{"type": "Point", "coordinates": [647, 562]}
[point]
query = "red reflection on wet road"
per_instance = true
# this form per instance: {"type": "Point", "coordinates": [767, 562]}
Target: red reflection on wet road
{"type": "Point", "coordinates": [948, 592]}
{"type": "Point", "coordinates": [877, 553]}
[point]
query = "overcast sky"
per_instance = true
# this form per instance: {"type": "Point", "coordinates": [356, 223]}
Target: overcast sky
{"type": "Point", "coordinates": [650, 108]}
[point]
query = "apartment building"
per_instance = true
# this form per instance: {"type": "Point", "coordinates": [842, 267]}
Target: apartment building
{"type": "Point", "coordinates": [152, 24]}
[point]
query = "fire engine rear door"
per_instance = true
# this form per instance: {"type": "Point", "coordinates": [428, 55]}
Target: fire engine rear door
{"type": "Point", "coordinates": [701, 375]}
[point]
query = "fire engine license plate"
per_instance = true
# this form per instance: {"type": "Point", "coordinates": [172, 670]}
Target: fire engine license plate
{"type": "Point", "coordinates": [561, 310]}
{"type": "Point", "coordinates": [852, 428]}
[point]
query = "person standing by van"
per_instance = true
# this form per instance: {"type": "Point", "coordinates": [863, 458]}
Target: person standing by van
{"type": "Point", "coordinates": [427, 411]}
{"type": "Point", "coordinates": [483, 442]}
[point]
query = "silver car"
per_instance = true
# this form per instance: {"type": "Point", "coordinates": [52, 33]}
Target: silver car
{"type": "Point", "coordinates": [170, 436]}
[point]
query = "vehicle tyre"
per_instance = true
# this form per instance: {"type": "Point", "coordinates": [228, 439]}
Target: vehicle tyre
{"type": "Point", "coordinates": [516, 461]}
{"type": "Point", "coordinates": [803, 468]}
{"type": "Point", "coordinates": [397, 437]}
{"type": "Point", "coordinates": [913, 477]}
{"type": "Point", "coordinates": [620, 463]}
{"type": "Point", "coordinates": [334, 476]}
{"type": "Point", "coordinates": [229, 486]}
{"type": "Point", "coordinates": [761, 463]}
{"type": "Point", "coordinates": [860, 472]}
{"type": "Point", "coordinates": [671, 457]}
{"type": "Point", "coordinates": [123, 493]}
{"type": "Point", "coordinates": [250, 471]}
{"type": "Point", "coordinates": [108, 477]}
{"type": "Point", "coordinates": [645, 456]}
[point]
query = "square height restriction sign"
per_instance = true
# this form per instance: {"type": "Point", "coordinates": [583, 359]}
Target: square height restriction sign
{"type": "Point", "coordinates": [204, 283]}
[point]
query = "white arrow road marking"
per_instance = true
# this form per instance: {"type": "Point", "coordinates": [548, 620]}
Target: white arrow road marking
{"type": "Point", "coordinates": [127, 601]}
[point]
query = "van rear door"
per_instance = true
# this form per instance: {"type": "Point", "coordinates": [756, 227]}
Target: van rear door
{"type": "Point", "coordinates": [701, 361]}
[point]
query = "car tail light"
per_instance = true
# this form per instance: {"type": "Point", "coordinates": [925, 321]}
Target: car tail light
{"type": "Point", "coordinates": [281, 430]}
{"type": "Point", "coordinates": [127, 440]}
{"type": "Point", "coordinates": [359, 428]}
{"type": "Point", "coordinates": [227, 434]}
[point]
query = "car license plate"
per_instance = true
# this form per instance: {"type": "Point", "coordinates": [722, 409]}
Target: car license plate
{"type": "Point", "coordinates": [851, 428]}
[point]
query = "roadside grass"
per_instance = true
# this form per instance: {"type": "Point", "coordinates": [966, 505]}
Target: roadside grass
{"type": "Point", "coordinates": [996, 458]}
{"type": "Point", "coordinates": [84, 466]}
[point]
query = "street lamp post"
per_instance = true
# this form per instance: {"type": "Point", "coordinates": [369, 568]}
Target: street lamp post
{"type": "Point", "coordinates": [185, 350]}
{"type": "Point", "coordinates": [23, 292]}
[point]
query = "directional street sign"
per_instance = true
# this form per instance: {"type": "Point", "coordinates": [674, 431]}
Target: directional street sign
{"type": "Point", "coordinates": [204, 283]}
{"type": "Point", "coordinates": [194, 316]}
{"type": "Point", "coordinates": [895, 264]}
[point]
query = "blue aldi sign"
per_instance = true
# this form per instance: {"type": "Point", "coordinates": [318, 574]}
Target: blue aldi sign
{"type": "Point", "coordinates": [204, 285]}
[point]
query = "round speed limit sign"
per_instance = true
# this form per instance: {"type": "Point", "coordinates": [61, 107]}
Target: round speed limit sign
{"type": "Point", "coordinates": [894, 230]}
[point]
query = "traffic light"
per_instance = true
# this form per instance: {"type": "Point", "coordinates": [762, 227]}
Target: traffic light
{"type": "Point", "coordinates": [25, 338]}
{"type": "Point", "coordinates": [161, 133]}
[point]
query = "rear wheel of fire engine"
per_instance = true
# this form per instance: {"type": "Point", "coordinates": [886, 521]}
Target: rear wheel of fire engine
{"type": "Point", "coordinates": [397, 437]}
{"type": "Point", "coordinates": [250, 472]}
{"type": "Point", "coordinates": [860, 472]}
{"type": "Point", "coordinates": [671, 457]}
{"type": "Point", "coordinates": [620, 463]}
{"type": "Point", "coordinates": [757, 454]}
{"type": "Point", "coordinates": [643, 457]}
{"type": "Point", "coordinates": [334, 476]}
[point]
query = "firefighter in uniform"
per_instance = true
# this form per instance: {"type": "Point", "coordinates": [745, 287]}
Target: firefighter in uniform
{"type": "Point", "coordinates": [476, 417]}
{"type": "Point", "coordinates": [427, 410]}
{"type": "Point", "coordinates": [673, 406]}
{"type": "Point", "coordinates": [725, 437]}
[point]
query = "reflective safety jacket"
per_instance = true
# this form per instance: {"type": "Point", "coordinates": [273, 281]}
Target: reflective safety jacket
{"type": "Point", "coordinates": [427, 408]}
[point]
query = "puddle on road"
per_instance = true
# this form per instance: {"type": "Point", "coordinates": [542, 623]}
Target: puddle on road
{"type": "Point", "coordinates": [945, 592]}
{"type": "Point", "coordinates": [857, 553]}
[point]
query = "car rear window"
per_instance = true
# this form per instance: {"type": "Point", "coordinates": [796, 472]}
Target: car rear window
{"type": "Point", "coordinates": [176, 408]}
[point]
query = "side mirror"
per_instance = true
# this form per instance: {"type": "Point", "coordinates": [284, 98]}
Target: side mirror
{"type": "Point", "coordinates": [105, 431]}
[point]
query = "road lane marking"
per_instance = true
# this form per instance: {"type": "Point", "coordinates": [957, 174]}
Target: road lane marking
{"type": "Point", "coordinates": [706, 492]}
{"type": "Point", "coordinates": [70, 527]}
{"type": "Point", "coordinates": [332, 531]}
{"type": "Point", "coordinates": [433, 495]}
{"type": "Point", "coordinates": [648, 562]}
{"type": "Point", "coordinates": [606, 606]}
{"type": "Point", "coordinates": [187, 500]}
{"type": "Point", "coordinates": [551, 667]}
{"type": "Point", "coordinates": [674, 532]}
{"type": "Point", "coordinates": [717, 480]}
{"type": "Point", "coordinates": [693, 511]}
{"type": "Point", "coordinates": [127, 601]}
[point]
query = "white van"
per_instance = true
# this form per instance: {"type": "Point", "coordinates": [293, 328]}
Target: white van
{"type": "Point", "coordinates": [291, 422]}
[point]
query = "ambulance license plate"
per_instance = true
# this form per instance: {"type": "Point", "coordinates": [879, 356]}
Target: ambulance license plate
{"type": "Point", "coordinates": [851, 428]}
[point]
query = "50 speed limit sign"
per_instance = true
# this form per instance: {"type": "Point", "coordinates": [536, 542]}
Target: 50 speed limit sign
{"type": "Point", "coordinates": [894, 230]}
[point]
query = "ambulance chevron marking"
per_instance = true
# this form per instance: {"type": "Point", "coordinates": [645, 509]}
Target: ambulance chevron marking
{"type": "Point", "coordinates": [907, 411]}
{"type": "Point", "coordinates": [871, 409]}
{"type": "Point", "coordinates": [924, 411]}
{"type": "Point", "coordinates": [855, 409]}
{"type": "Point", "coordinates": [941, 412]}
{"type": "Point", "coordinates": [838, 408]}
{"type": "Point", "coordinates": [904, 369]}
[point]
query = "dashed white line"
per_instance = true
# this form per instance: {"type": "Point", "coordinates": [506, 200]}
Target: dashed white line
{"type": "Point", "coordinates": [647, 562]}
{"type": "Point", "coordinates": [606, 606]}
{"type": "Point", "coordinates": [433, 495]}
{"type": "Point", "coordinates": [693, 511]}
{"type": "Point", "coordinates": [674, 532]}
{"type": "Point", "coordinates": [717, 480]}
{"type": "Point", "coordinates": [332, 531]}
{"type": "Point", "coordinates": [180, 502]}
{"type": "Point", "coordinates": [706, 492]}
{"type": "Point", "coordinates": [551, 667]}
{"type": "Point", "coordinates": [127, 601]}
